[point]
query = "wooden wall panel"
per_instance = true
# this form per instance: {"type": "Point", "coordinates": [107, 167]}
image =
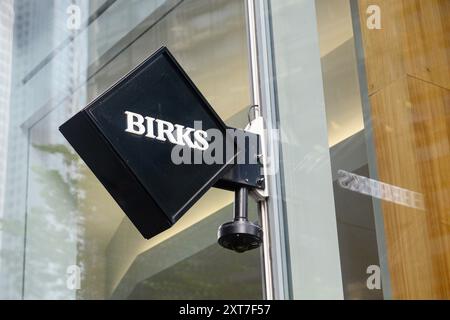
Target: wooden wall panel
{"type": "Point", "coordinates": [411, 127]}
{"type": "Point", "coordinates": [414, 40]}
{"type": "Point", "coordinates": [408, 71]}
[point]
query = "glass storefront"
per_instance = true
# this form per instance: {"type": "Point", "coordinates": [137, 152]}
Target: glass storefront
{"type": "Point", "coordinates": [72, 225]}
{"type": "Point", "coordinates": [362, 95]}
{"type": "Point", "coordinates": [355, 98]}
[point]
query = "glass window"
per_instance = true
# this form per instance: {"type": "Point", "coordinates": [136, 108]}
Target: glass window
{"type": "Point", "coordinates": [362, 97]}
{"type": "Point", "coordinates": [391, 167]}
{"type": "Point", "coordinates": [66, 237]}
{"type": "Point", "coordinates": [348, 148]}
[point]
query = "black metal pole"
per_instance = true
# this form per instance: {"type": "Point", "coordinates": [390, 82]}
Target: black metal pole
{"type": "Point", "coordinates": [241, 204]}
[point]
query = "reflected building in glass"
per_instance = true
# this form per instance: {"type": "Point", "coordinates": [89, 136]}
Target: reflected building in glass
{"type": "Point", "coordinates": [69, 219]}
{"type": "Point", "coordinates": [357, 121]}
{"type": "Point", "coordinates": [6, 42]}
{"type": "Point", "coordinates": [40, 77]}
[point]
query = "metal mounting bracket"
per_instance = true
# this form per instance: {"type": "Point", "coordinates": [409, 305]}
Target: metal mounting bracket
{"type": "Point", "coordinates": [256, 126]}
{"type": "Point", "coordinates": [247, 172]}
{"type": "Point", "coordinates": [246, 176]}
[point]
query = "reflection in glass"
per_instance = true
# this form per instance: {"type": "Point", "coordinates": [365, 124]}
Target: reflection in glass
{"type": "Point", "coordinates": [354, 210]}
{"type": "Point", "coordinates": [387, 114]}
{"type": "Point", "coordinates": [72, 221]}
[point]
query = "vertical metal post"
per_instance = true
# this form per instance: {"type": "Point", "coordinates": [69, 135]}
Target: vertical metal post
{"type": "Point", "coordinates": [255, 91]}
{"type": "Point", "coordinates": [241, 204]}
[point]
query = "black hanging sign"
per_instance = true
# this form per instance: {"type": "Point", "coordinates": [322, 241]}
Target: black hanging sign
{"type": "Point", "coordinates": [128, 135]}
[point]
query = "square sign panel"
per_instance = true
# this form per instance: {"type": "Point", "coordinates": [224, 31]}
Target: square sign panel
{"type": "Point", "coordinates": [128, 135]}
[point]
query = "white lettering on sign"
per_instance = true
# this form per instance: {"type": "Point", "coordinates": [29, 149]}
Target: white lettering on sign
{"type": "Point", "coordinates": [166, 131]}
